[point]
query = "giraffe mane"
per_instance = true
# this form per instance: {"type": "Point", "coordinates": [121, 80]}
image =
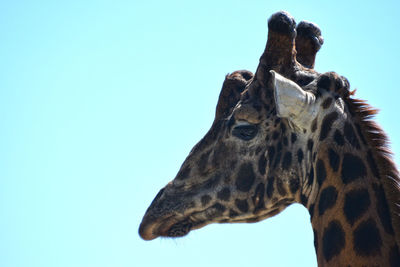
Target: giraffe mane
{"type": "Point", "coordinates": [378, 141]}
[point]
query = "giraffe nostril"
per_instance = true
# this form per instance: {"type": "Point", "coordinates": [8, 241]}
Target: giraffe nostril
{"type": "Point", "coordinates": [158, 196]}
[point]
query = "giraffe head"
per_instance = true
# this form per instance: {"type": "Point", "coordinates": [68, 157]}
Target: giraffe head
{"type": "Point", "coordinates": [255, 159]}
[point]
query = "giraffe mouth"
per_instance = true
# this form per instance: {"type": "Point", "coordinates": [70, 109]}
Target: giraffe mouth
{"type": "Point", "coordinates": [173, 225]}
{"type": "Point", "coordinates": [166, 227]}
{"type": "Point", "coordinates": [177, 224]}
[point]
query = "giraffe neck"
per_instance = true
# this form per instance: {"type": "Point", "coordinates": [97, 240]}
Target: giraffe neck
{"type": "Point", "coordinates": [351, 224]}
{"type": "Point", "coordinates": [352, 215]}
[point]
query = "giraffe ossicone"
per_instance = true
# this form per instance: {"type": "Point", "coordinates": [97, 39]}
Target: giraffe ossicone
{"type": "Point", "coordinates": [288, 134]}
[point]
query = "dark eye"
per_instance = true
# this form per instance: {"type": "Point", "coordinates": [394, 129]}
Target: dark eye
{"type": "Point", "coordinates": [245, 132]}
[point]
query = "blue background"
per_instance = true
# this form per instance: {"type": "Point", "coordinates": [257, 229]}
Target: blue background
{"type": "Point", "coordinates": [101, 101]}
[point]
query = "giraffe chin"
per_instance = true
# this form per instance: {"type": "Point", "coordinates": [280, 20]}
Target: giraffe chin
{"type": "Point", "coordinates": [180, 229]}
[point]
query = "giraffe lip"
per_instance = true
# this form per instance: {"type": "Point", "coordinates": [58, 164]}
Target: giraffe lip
{"type": "Point", "coordinates": [173, 225]}
{"type": "Point", "coordinates": [146, 230]}
{"type": "Point", "coordinates": [166, 227]}
{"type": "Point", "coordinates": [152, 226]}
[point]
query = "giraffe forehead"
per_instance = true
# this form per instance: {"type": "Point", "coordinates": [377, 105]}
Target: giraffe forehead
{"type": "Point", "coordinates": [250, 112]}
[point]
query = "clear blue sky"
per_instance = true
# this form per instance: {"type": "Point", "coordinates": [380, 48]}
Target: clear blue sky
{"type": "Point", "coordinates": [101, 101]}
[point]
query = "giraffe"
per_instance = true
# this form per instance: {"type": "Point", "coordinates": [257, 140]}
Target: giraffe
{"type": "Point", "coordinates": [288, 134]}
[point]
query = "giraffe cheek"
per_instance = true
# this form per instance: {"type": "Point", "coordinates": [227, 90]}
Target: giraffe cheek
{"type": "Point", "coordinates": [258, 198]}
{"type": "Point", "coordinates": [223, 152]}
{"type": "Point", "coordinates": [245, 177]}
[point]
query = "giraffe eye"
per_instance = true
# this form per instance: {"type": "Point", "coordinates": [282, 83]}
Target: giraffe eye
{"type": "Point", "coordinates": [245, 132]}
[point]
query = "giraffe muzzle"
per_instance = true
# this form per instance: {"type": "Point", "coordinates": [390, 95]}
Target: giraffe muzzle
{"type": "Point", "coordinates": [167, 227]}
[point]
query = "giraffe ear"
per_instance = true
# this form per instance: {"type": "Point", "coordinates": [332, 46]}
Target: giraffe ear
{"type": "Point", "coordinates": [292, 102]}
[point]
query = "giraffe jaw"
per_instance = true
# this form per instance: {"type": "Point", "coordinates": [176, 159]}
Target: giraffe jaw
{"type": "Point", "coordinates": [178, 226]}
